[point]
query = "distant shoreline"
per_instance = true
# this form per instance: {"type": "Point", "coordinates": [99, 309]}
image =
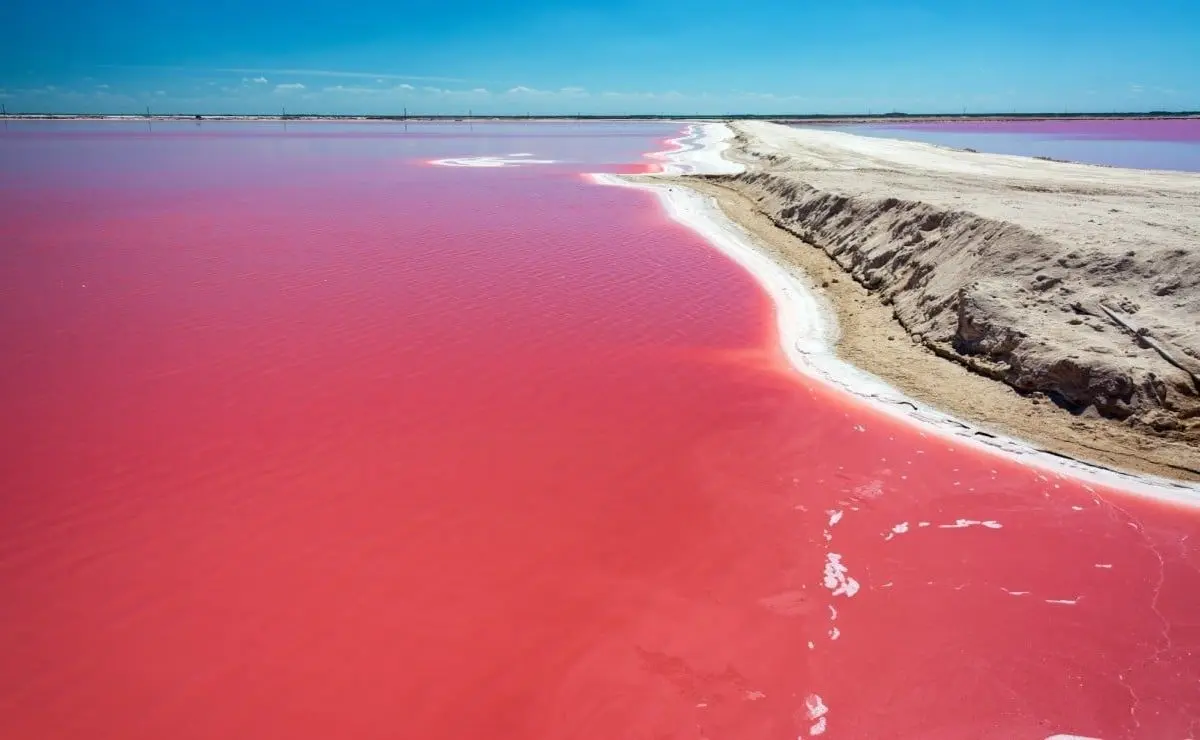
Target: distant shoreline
{"type": "Point", "coordinates": [793, 119]}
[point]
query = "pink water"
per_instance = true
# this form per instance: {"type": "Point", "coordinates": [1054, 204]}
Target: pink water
{"type": "Point", "coordinates": [308, 438]}
{"type": "Point", "coordinates": [1145, 143]}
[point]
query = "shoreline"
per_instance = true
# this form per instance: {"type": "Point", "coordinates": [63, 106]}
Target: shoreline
{"type": "Point", "coordinates": [809, 330]}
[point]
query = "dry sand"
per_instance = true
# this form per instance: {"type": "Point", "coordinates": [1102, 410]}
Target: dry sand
{"type": "Point", "coordinates": [1077, 286]}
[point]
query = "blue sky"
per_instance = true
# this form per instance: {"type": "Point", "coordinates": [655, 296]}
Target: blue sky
{"type": "Point", "coordinates": [599, 56]}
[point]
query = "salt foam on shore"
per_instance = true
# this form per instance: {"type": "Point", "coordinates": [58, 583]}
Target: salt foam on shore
{"type": "Point", "coordinates": [808, 330]}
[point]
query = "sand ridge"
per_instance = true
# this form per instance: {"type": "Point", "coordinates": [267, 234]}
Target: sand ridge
{"type": "Point", "coordinates": [868, 335]}
{"type": "Point", "coordinates": [1076, 281]}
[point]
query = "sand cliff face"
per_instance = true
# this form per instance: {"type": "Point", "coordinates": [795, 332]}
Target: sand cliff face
{"type": "Point", "coordinates": [1081, 283]}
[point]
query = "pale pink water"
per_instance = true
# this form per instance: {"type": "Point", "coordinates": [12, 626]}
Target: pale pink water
{"type": "Point", "coordinates": [1145, 143]}
{"type": "Point", "coordinates": [307, 438]}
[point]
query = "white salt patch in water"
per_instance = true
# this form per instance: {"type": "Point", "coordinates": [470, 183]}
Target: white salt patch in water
{"type": "Point", "coordinates": [835, 633]}
{"type": "Point", "coordinates": [1065, 602]}
{"type": "Point", "coordinates": [815, 706]}
{"type": "Point", "coordinates": [872, 489]}
{"type": "Point", "coordinates": [835, 516]}
{"type": "Point", "coordinates": [1105, 566]}
{"type": "Point", "coordinates": [816, 710]}
{"type": "Point", "coordinates": [1013, 593]}
{"type": "Point", "coordinates": [964, 523]}
{"type": "Point", "coordinates": [836, 578]}
{"type": "Point", "coordinates": [900, 528]}
{"type": "Point", "coordinates": [512, 160]}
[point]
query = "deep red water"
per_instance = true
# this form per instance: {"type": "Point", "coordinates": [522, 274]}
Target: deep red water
{"type": "Point", "coordinates": [306, 438]}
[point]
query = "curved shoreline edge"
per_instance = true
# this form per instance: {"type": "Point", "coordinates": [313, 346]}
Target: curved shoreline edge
{"type": "Point", "coordinates": [807, 326]}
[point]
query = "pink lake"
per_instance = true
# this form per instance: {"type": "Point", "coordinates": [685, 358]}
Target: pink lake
{"type": "Point", "coordinates": [1141, 143]}
{"type": "Point", "coordinates": [309, 438]}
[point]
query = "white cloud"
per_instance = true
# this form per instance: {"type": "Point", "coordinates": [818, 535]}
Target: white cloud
{"type": "Point", "coordinates": [160, 93]}
{"type": "Point", "coordinates": [522, 90]}
{"type": "Point", "coordinates": [481, 91]}
{"type": "Point", "coordinates": [404, 86]}
{"type": "Point", "coordinates": [629, 95]}
{"type": "Point", "coordinates": [101, 87]}
{"type": "Point", "coordinates": [254, 80]}
{"type": "Point", "coordinates": [289, 86]}
{"type": "Point", "coordinates": [434, 90]}
{"type": "Point", "coordinates": [352, 90]}
{"type": "Point", "coordinates": [333, 73]}
{"type": "Point", "coordinates": [573, 91]}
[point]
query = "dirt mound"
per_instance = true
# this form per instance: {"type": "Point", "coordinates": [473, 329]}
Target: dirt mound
{"type": "Point", "coordinates": [1102, 315]}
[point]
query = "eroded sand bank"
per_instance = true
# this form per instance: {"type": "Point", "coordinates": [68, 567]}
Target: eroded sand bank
{"type": "Point", "coordinates": [861, 320]}
{"type": "Point", "coordinates": [1075, 285]}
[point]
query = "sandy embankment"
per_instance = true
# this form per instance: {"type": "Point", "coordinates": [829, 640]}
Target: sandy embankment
{"type": "Point", "coordinates": [1078, 286]}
